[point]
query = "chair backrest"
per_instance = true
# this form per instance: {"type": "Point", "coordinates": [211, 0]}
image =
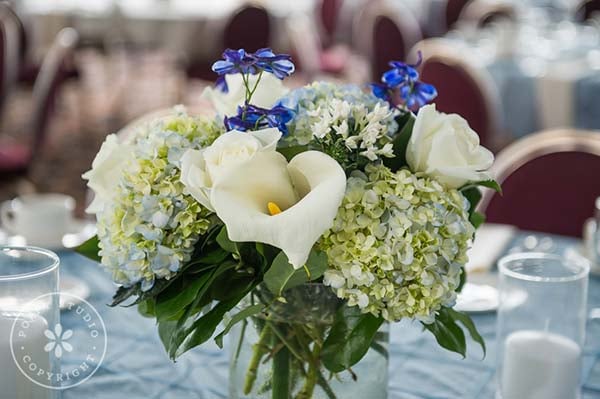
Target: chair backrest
{"type": "Point", "coordinates": [463, 88]}
{"type": "Point", "coordinates": [453, 10]}
{"type": "Point", "coordinates": [51, 74]}
{"type": "Point", "coordinates": [328, 12]}
{"type": "Point", "coordinates": [587, 9]}
{"type": "Point", "coordinates": [484, 12]}
{"type": "Point", "coordinates": [22, 32]}
{"type": "Point", "coordinates": [549, 182]}
{"type": "Point", "coordinates": [9, 52]}
{"type": "Point", "coordinates": [385, 31]}
{"type": "Point", "coordinates": [248, 28]}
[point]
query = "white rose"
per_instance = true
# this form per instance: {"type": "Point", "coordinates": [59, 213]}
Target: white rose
{"type": "Point", "coordinates": [269, 91]}
{"type": "Point", "coordinates": [446, 148]}
{"type": "Point", "coordinates": [201, 169]}
{"type": "Point", "coordinates": [103, 177]}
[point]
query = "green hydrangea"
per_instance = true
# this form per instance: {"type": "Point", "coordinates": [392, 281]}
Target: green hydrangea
{"type": "Point", "coordinates": [150, 227]}
{"type": "Point", "coordinates": [397, 244]}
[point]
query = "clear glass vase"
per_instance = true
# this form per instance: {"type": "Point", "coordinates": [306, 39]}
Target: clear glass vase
{"type": "Point", "coordinates": [276, 355]}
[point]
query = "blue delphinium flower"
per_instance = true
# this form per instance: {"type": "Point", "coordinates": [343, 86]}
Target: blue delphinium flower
{"type": "Point", "coordinates": [417, 94]}
{"type": "Point", "coordinates": [401, 85]}
{"type": "Point", "coordinates": [251, 117]}
{"type": "Point", "coordinates": [240, 61]}
{"type": "Point", "coordinates": [235, 61]}
{"type": "Point", "coordinates": [221, 84]}
{"type": "Point", "coordinates": [280, 65]}
{"type": "Point", "coordinates": [400, 73]}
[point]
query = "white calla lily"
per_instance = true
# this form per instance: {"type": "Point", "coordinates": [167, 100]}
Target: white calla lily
{"type": "Point", "coordinates": [200, 169]}
{"type": "Point", "coordinates": [308, 191]}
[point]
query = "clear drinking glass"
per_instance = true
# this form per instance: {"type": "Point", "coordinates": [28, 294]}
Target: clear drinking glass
{"type": "Point", "coordinates": [541, 326]}
{"type": "Point", "coordinates": [28, 307]}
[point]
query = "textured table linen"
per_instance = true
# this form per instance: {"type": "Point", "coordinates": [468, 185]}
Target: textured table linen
{"type": "Point", "coordinates": [136, 365]}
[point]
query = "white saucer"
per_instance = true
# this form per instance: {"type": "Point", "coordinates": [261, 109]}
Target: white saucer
{"type": "Point", "coordinates": [79, 232]}
{"type": "Point", "coordinates": [477, 298]}
{"type": "Point", "coordinates": [76, 288]}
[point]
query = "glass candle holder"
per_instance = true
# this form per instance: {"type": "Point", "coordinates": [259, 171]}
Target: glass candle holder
{"type": "Point", "coordinates": [28, 308]}
{"type": "Point", "coordinates": [541, 326]}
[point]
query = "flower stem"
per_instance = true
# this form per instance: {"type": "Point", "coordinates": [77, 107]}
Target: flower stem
{"type": "Point", "coordinates": [312, 375]}
{"type": "Point", "coordinates": [259, 350]}
{"type": "Point", "coordinates": [281, 374]}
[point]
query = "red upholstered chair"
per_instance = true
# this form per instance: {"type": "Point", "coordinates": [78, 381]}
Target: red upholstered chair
{"type": "Point", "coordinates": [15, 158]}
{"type": "Point", "coordinates": [385, 31]}
{"type": "Point", "coordinates": [549, 182]}
{"type": "Point", "coordinates": [483, 12]}
{"type": "Point", "coordinates": [453, 10]}
{"type": "Point", "coordinates": [9, 52]}
{"type": "Point", "coordinates": [587, 9]}
{"type": "Point", "coordinates": [248, 28]}
{"type": "Point", "coordinates": [328, 13]}
{"type": "Point", "coordinates": [462, 87]}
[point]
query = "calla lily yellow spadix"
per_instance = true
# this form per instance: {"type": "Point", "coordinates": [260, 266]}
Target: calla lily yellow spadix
{"type": "Point", "coordinates": [309, 189]}
{"type": "Point", "coordinates": [273, 208]}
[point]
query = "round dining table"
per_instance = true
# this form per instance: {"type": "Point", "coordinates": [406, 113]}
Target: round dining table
{"type": "Point", "coordinates": [136, 365]}
{"type": "Point", "coordinates": [188, 28]}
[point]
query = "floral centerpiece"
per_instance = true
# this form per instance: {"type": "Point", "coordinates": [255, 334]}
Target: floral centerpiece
{"type": "Point", "coordinates": [307, 219]}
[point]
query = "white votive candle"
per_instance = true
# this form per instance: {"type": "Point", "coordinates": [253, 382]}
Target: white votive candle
{"type": "Point", "coordinates": [540, 365]}
{"type": "Point", "coordinates": [13, 383]}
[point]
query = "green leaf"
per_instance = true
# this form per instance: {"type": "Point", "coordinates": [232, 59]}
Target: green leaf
{"type": "Point", "coordinates": [90, 249]}
{"type": "Point", "coordinates": [146, 308]}
{"type": "Point", "coordinates": [466, 321]}
{"type": "Point", "coordinates": [123, 294]}
{"type": "Point", "coordinates": [473, 195]}
{"type": "Point", "coordinates": [448, 334]}
{"type": "Point", "coordinates": [242, 315]}
{"type": "Point", "coordinates": [205, 327]}
{"type": "Point", "coordinates": [292, 151]}
{"type": "Point", "coordinates": [493, 184]}
{"type": "Point", "coordinates": [349, 338]}
{"type": "Point", "coordinates": [282, 276]}
{"type": "Point", "coordinates": [166, 329]}
{"type": "Point", "coordinates": [406, 123]}
{"type": "Point", "coordinates": [179, 295]}
{"type": "Point", "coordinates": [224, 241]}
{"type": "Point", "coordinates": [477, 219]}
{"type": "Point", "coordinates": [181, 330]}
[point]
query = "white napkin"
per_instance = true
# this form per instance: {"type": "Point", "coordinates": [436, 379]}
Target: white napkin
{"type": "Point", "coordinates": [490, 241]}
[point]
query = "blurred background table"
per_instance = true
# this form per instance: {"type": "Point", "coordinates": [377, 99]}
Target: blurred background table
{"type": "Point", "coordinates": [136, 365]}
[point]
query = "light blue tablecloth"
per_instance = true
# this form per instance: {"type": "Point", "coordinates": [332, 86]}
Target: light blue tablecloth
{"type": "Point", "coordinates": [137, 367]}
{"type": "Point", "coordinates": [520, 112]}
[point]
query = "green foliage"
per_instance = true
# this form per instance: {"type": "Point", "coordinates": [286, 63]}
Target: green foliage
{"type": "Point", "coordinates": [473, 195]}
{"type": "Point", "coordinates": [174, 299]}
{"type": "Point", "coordinates": [406, 123]}
{"type": "Point", "coordinates": [282, 276]}
{"type": "Point", "coordinates": [449, 334]}
{"type": "Point", "coordinates": [240, 316]}
{"type": "Point", "coordinates": [90, 249]}
{"type": "Point", "coordinates": [224, 241]}
{"type": "Point", "coordinates": [291, 151]}
{"type": "Point", "coordinates": [493, 184]}
{"type": "Point", "coordinates": [350, 337]}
